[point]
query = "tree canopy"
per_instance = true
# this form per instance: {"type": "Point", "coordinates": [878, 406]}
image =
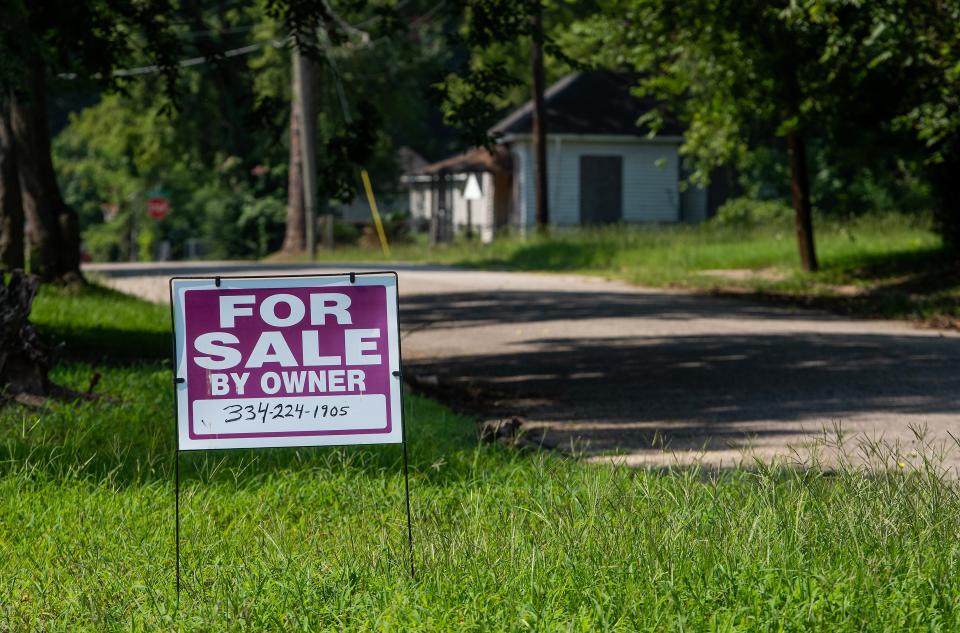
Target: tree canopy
{"type": "Point", "coordinates": [206, 120]}
{"type": "Point", "coordinates": [860, 82]}
{"type": "Point", "coordinates": [824, 101]}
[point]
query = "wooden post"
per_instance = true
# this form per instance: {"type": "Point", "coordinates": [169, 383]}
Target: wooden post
{"type": "Point", "coordinates": [469, 219]}
{"type": "Point", "coordinates": [539, 124]}
{"type": "Point", "coordinates": [800, 190]}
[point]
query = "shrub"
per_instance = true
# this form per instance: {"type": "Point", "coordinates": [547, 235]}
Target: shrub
{"type": "Point", "coordinates": [397, 225]}
{"type": "Point", "coordinates": [107, 242]}
{"type": "Point", "coordinates": [747, 212]}
{"type": "Point", "coordinates": [345, 233]}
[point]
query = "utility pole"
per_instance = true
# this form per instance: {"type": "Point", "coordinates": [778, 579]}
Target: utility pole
{"type": "Point", "coordinates": [294, 241]}
{"type": "Point", "coordinates": [305, 104]}
{"type": "Point", "coordinates": [539, 124]}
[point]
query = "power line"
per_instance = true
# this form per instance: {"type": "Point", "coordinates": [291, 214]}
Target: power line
{"type": "Point", "coordinates": [183, 63]}
{"type": "Point", "coordinates": [252, 48]}
{"type": "Point", "coordinates": [227, 31]}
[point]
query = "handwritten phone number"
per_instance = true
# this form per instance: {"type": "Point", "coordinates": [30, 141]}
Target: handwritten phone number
{"type": "Point", "coordinates": [265, 412]}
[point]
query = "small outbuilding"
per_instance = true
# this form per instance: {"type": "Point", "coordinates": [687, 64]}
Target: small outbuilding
{"type": "Point", "coordinates": [602, 167]}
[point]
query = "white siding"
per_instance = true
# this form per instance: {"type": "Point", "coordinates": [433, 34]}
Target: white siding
{"type": "Point", "coordinates": [650, 178]}
{"type": "Point", "coordinates": [563, 180]}
{"type": "Point", "coordinates": [420, 201]}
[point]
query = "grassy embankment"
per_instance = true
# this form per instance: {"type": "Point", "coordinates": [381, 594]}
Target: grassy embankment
{"type": "Point", "coordinates": [887, 265]}
{"type": "Point", "coordinates": [314, 539]}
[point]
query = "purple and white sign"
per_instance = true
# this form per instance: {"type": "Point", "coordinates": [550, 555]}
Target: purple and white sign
{"type": "Point", "coordinates": [287, 361]}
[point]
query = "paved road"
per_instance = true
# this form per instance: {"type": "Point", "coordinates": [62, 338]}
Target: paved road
{"type": "Point", "coordinates": [607, 367]}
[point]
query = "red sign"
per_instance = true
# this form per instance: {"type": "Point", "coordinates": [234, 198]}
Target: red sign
{"type": "Point", "coordinates": [158, 207]}
{"type": "Point", "coordinates": [287, 361]}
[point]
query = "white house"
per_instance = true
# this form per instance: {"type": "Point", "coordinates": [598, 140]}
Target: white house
{"type": "Point", "coordinates": [438, 200]}
{"type": "Point", "coordinates": [602, 167]}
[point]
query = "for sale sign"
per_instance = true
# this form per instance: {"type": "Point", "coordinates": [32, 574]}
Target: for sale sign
{"type": "Point", "coordinates": [287, 361]}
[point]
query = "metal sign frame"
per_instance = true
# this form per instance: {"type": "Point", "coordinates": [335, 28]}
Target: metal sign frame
{"type": "Point", "coordinates": [178, 380]}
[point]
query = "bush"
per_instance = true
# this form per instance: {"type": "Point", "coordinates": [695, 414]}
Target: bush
{"type": "Point", "coordinates": [262, 222]}
{"type": "Point", "coordinates": [345, 233]}
{"type": "Point", "coordinates": [396, 225]}
{"type": "Point", "coordinates": [747, 212]}
{"type": "Point", "coordinates": [107, 242]}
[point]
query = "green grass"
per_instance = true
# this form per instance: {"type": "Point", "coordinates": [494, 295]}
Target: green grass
{"type": "Point", "coordinates": [313, 539]}
{"type": "Point", "coordinates": [96, 323]}
{"type": "Point", "coordinates": [876, 265]}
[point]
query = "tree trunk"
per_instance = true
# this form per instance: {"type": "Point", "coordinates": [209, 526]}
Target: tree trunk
{"type": "Point", "coordinates": [52, 226]}
{"type": "Point", "coordinates": [25, 360]}
{"type": "Point", "coordinates": [539, 124]}
{"type": "Point", "coordinates": [294, 240]}
{"type": "Point", "coordinates": [11, 209]}
{"type": "Point", "coordinates": [945, 185]}
{"type": "Point", "coordinates": [305, 78]}
{"type": "Point", "coordinates": [800, 193]}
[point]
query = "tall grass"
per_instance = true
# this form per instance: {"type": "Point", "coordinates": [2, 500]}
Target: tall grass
{"type": "Point", "coordinates": [887, 264]}
{"type": "Point", "coordinates": [315, 539]}
{"type": "Point", "coordinates": [672, 252]}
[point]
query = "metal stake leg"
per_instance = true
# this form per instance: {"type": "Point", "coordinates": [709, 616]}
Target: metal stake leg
{"type": "Point", "coordinates": [406, 487]}
{"type": "Point", "coordinates": [177, 505]}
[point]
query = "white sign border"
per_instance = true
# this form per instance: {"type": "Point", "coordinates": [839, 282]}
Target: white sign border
{"type": "Point", "coordinates": [179, 286]}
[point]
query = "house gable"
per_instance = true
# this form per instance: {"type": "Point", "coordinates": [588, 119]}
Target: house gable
{"type": "Point", "coordinates": [590, 103]}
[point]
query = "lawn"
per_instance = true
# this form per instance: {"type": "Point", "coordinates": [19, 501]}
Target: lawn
{"type": "Point", "coordinates": [888, 265]}
{"type": "Point", "coordinates": [314, 539]}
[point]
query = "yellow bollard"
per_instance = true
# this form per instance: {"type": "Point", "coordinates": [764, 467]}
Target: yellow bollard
{"type": "Point", "coordinates": [376, 214]}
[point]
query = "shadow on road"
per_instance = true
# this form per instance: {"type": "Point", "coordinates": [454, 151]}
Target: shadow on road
{"type": "Point", "coordinates": [688, 391]}
{"type": "Point", "coordinates": [453, 310]}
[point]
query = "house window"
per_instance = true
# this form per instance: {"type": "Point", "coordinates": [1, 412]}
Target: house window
{"type": "Point", "coordinates": [601, 189]}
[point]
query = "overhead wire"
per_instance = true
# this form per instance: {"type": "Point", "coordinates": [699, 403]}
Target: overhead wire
{"type": "Point", "coordinates": [183, 63]}
{"type": "Point", "coordinates": [366, 42]}
{"type": "Point", "coordinates": [227, 31]}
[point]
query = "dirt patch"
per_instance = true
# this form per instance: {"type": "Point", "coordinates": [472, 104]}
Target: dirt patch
{"type": "Point", "coordinates": [746, 274]}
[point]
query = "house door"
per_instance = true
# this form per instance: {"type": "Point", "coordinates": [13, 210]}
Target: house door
{"type": "Point", "coordinates": [601, 189]}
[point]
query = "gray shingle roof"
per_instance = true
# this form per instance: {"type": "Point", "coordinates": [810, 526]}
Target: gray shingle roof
{"type": "Point", "coordinates": [591, 102]}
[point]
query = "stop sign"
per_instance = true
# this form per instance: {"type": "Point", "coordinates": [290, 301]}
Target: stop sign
{"type": "Point", "coordinates": [158, 207]}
